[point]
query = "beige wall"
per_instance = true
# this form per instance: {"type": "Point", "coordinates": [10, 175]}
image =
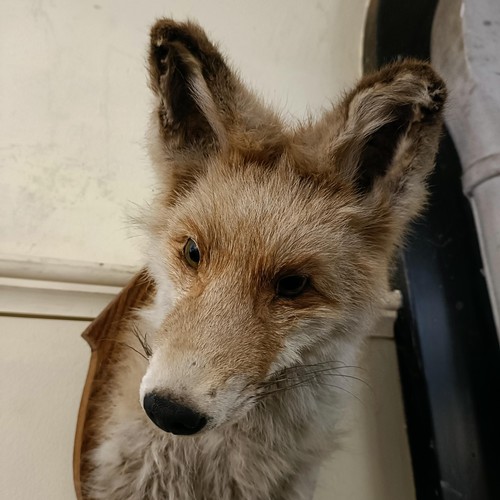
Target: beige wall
{"type": "Point", "coordinates": [74, 104]}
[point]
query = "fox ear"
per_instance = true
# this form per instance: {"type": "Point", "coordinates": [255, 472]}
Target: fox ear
{"type": "Point", "coordinates": [190, 78]}
{"type": "Point", "coordinates": [386, 133]}
{"type": "Point", "coordinates": [202, 108]}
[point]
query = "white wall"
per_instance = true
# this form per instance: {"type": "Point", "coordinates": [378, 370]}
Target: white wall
{"type": "Point", "coordinates": [43, 364]}
{"type": "Point", "coordinates": [74, 104]}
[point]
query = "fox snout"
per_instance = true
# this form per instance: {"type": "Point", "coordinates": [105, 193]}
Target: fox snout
{"type": "Point", "coordinates": [183, 397]}
{"type": "Point", "coordinates": [171, 416]}
{"type": "Point", "coordinates": [207, 358]}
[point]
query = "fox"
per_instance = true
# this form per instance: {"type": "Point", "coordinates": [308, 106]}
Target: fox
{"type": "Point", "coordinates": [269, 248]}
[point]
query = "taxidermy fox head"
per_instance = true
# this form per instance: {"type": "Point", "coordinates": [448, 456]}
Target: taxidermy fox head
{"type": "Point", "coordinates": [270, 246]}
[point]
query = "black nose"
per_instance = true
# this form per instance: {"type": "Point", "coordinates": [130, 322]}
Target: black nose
{"type": "Point", "coordinates": [171, 416]}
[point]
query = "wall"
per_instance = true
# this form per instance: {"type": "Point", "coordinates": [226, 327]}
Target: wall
{"type": "Point", "coordinates": [74, 104]}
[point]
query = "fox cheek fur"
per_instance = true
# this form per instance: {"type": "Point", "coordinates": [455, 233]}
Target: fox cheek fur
{"type": "Point", "coordinates": [324, 204]}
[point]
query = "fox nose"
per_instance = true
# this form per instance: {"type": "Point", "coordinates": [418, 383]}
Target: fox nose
{"type": "Point", "coordinates": [171, 416]}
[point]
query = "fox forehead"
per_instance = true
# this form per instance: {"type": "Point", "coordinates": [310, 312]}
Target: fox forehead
{"type": "Point", "coordinates": [259, 224]}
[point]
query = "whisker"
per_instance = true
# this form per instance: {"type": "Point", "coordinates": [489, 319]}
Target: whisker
{"type": "Point", "coordinates": [296, 384]}
{"type": "Point", "coordinates": [315, 372]}
{"type": "Point", "coordinates": [142, 340]}
{"type": "Point", "coordinates": [322, 363]}
{"type": "Point", "coordinates": [280, 389]}
{"type": "Point", "coordinates": [319, 365]}
{"type": "Point", "coordinates": [313, 376]}
{"type": "Point", "coordinates": [353, 377]}
{"type": "Point", "coordinates": [309, 375]}
{"type": "Point", "coordinates": [345, 390]}
{"type": "Point", "coordinates": [136, 350]}
{"type": "Point", "coordinates": [302, 383]}
{"type": "Point", "coordinates": [126, 345]}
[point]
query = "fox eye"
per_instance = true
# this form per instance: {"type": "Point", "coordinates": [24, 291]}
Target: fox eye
{"type": "Point", "coordinates": [192, 253]}
{"type": "Point", "coordinates": [291, 286]}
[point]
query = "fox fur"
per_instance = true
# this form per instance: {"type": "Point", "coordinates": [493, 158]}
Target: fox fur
{"type": "Point", "coordinates": [329, 200]}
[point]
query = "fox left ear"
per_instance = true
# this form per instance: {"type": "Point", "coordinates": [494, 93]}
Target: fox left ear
{"type": "Point", "coordinates": [188, 75]}
{"type": "Point", "coordinates": [202, 108]}
{"type": "Point", "coordinates": [385, 136]}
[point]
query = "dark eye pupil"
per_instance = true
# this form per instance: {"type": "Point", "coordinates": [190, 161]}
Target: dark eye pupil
{"type": "Point", "coordinates": [291, 286]}
{"type": "Point", "coordinates": [192, 253]}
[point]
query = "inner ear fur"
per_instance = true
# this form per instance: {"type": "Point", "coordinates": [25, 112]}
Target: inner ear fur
{"type": "Point", "coordinates": [193, 83]}
{"type": "Point", "coordinates": [383, 136]}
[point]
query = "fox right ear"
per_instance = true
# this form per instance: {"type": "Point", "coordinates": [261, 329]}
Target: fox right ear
{"type": "Point", "coordinates": [189, 77]}
{"type": "Point", "coordinates": [385, 137]}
